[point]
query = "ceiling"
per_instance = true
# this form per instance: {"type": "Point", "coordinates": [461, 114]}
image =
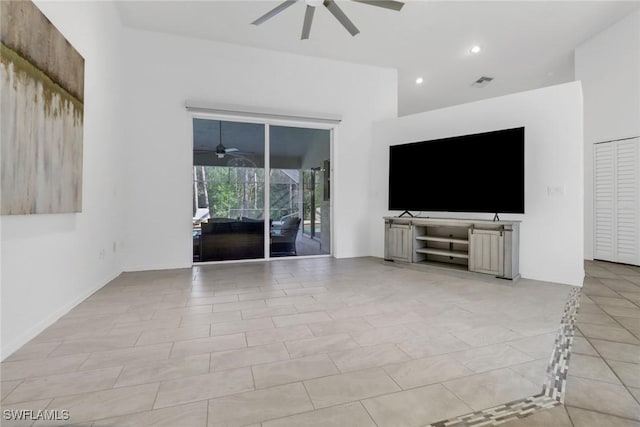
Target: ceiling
{"type": "Point", "coordinates": [525, 45]}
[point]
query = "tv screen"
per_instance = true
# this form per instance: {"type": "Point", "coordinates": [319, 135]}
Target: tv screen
{"type": "Point", "coordinates": [473, 173]}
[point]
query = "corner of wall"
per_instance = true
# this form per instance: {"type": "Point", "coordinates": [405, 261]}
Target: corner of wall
{"type": "Point", "coordinates": [40, 326]}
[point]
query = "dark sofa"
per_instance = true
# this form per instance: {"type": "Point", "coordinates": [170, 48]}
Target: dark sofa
{"type": "Point", "coordinates": [231, 239]}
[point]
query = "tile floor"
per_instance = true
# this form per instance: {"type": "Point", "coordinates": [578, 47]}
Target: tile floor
{"type": "Point", "coordinates": [355, 342]}
{"type": "Point", "coordinates": [603, 384]}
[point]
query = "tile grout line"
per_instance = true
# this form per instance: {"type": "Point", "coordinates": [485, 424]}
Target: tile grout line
{"type": "Point", "coordinates": [207, 417]}
{"type": "Point", "coordinates": [253, 377]}
{"type": "Point", "coordinates": [93, 421]}
{"type": "Point", "coordinates": [52, 399]}
{"type": "Point", "coordinates": [394, 380]}
{"type": "Point", "coordinates": [20, 381]}
{"type": "Point", "coordinates": [149, 382]}
{"type": "Point", "coordinates": [368, 413]}
{"type": "Point", "coordinates": [113, 386]}
{"type": "Point", "coordinates": [443, 384]}
{"type": "Point", "coordinates": [155, 399]}
{"type": "Point", "coordinates": [569, 417]}
{"type": "Point", "coordinates": [313, 405]}
{"type": "Point", "coordinates": [635, 335]}
{"type": "Point", "coordinates": [603, 413]}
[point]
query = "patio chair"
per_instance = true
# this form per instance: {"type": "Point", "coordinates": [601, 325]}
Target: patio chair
{"type": "Point", "coordinates": [283, 239]}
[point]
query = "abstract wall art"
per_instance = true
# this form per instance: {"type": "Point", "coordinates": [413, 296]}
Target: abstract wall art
{"type": "Point", "coordinates": [41, 114]}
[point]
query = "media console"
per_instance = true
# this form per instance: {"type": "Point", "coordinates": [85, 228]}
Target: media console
{"type": "Point", "coordinates": [481, 246]}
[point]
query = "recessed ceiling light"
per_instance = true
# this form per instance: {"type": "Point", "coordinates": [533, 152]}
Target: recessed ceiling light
{"type": "Point", "coordinates": [419, 80]}
{"type": "Point", "coordinates": [475, 49]}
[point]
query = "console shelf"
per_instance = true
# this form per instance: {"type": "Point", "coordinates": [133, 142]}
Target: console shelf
{"type": "Point", "coordinates": [481, 246]}
{"type": "Point", "coordinates": [443, 252]}
{"type": "Point", "coordinates": [443, 239]}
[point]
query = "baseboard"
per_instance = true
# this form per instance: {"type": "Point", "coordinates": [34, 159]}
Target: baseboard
{"type": "Point", "coordinates": [140, 268]}
{"type": "Point", "coordinates": [33, 332]}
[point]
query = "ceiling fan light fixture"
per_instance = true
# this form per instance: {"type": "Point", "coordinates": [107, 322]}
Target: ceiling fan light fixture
{"type": "Point", "coordinates": [220, 150]}
{"type": "Point", "coordinates": [475, 49]}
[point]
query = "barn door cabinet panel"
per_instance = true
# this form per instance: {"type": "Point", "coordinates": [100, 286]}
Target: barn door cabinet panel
{"type": "Point", "coordinates": [397, 242]}
{"type": "Point", "coordinates": [486, 252]}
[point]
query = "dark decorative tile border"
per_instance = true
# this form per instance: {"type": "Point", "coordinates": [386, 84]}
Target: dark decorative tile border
{"type": "Point", "coordinates": [553, 390]}
{"type": "Point", "coordinates": [556, 383]}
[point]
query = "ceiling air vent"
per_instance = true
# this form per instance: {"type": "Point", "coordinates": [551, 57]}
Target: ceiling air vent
{"type": "Point", "coordinates": [482, 81]}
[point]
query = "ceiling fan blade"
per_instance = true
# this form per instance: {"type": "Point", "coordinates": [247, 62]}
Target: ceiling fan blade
{"type": "Point", "coordinates": [308, 19]}
{"type": "Point", "coordinates": [273, 12]}
{"type": "Point", "coordinates": [387, 4]}
{"type": "Point", "coordinates": [341, 17]}
{"type": "Point", "coordinates": [231, 150]}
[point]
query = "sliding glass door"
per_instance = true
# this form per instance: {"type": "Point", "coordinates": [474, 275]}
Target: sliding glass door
{"type": "Point", "coordinates": [239, 212]}
{"type": "Point", "coordinates": [300, 206]}
{"type": "Point", "coordinates": [229, 185]}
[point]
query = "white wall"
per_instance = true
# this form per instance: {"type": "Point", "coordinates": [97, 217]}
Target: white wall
{"type": "Point", "coordinates": [52, 262]}
{"type": "Point", "coordinates": [163, 71]}
{"type": "Point", "coordinates": [551, 233]}
{"type": "Point", "coordinates": [608, 65]}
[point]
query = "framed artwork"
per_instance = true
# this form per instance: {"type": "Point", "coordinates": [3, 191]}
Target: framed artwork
{"type": "Point", "coordinates": [42, 104]}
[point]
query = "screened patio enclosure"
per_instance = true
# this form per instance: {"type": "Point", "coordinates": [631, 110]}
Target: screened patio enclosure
{"type": "Point", "coordinates": [237, 208]}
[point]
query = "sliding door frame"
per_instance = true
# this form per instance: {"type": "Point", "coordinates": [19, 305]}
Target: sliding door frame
{"type": "Point", "coordinates": [233, 116]}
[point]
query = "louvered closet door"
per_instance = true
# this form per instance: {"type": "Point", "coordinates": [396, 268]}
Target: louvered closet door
{"type": "Point", "coordinates": [617, 201]}
{"type": "Point", "coordinates": [604, 195]}
{"type": "Point", "coordinates": [627, 198]}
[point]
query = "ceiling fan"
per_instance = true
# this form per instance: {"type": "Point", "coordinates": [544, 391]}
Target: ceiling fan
{"type": "Point", "coordinates": [220, 149]}
{"type": "Point", "coordinates": [332, 6]}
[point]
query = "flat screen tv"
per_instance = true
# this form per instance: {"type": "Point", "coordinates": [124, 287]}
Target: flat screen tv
{"type": "Point", "coordinates": [482, 172]}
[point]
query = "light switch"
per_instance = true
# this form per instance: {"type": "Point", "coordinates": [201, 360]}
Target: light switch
{"type": "Point", "coordinates": [555, 190]}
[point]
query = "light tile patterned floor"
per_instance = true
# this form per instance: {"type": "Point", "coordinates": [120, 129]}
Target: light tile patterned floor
{"type": "Point", "coordinates": [355, 342]}
{"type": "Point", "coordinates": [604, 366]}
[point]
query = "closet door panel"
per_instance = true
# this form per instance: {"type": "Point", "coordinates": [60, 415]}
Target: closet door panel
{"type": "Point", "coordinates": [617, 201]}
{"type": "Point", "coordinates": [604, 202]}
{"type": "Point", "coordinates": [627, 218]}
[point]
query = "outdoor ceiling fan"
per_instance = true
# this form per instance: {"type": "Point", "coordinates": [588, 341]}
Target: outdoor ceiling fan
{"type": "Point", "coordinates": [220, 149]}
{"type": "Point", "coordinates": [332, 6]}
